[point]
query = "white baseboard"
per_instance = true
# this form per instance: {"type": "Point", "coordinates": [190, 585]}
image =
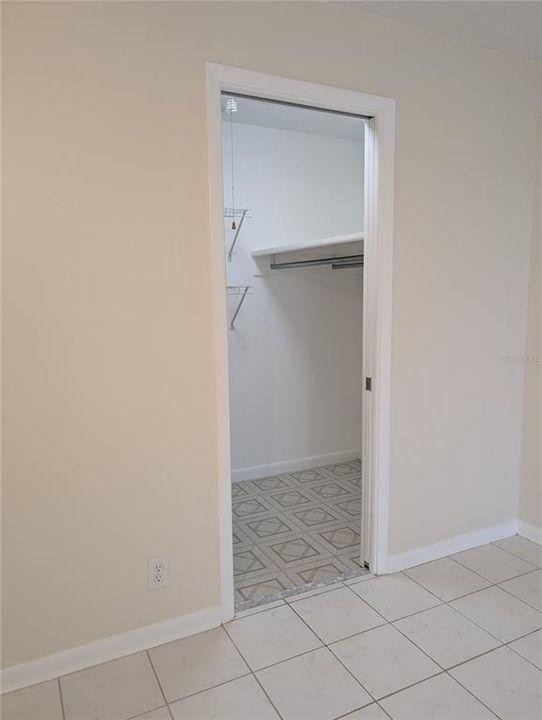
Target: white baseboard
{"type": "Point", "coordinates": [110, 648]}
{"type": "Point", "coordinates": [408, 559]}
{"type": "Point", "coordinates": [295, 465]}
{"type": "Point", "coordinates": [531, 532]}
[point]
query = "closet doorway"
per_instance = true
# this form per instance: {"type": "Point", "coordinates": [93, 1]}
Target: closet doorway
{"type": "Point", "coordinates": [293, 197]}
{"type": "Point", "coordinates": [302, 457]}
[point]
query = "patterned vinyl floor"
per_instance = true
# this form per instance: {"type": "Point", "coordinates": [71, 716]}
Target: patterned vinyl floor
{"type": "Point", "coordinates": [295, 531]}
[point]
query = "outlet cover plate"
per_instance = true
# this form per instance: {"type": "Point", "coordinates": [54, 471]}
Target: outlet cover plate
{"type": "Point", "coordinates": [158, 573]}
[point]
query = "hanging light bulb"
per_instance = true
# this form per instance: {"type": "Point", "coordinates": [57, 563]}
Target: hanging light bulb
{"type": "Point", "coordinates": [231, 107]}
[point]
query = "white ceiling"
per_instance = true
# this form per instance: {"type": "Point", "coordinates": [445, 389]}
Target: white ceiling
{"type": "Point", "coordinates": [285, 117]}
{"type": "Point", "coordinates": [507, 26]}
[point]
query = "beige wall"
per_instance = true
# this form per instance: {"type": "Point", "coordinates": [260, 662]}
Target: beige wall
{"type": "Point", "coordinates": [108, 399]}
{"type": "Point", "coordinates": [530, 488]}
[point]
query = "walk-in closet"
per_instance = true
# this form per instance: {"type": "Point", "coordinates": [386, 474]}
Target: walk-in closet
{"type": "Point", "coordinates": [293, 210]}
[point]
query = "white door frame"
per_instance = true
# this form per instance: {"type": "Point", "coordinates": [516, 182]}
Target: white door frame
{"type": "Point", "coordinates": [377, 293]}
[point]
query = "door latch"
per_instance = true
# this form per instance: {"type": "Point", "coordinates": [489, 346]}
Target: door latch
{"type": "Point", "coordinates": [368, 383]}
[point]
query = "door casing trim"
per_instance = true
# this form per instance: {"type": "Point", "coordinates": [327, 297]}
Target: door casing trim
{"type": "Point", "coordinates": [377, 294]}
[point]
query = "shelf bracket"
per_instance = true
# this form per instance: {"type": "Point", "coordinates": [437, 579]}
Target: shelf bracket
{"type": "Point", "coordinates": [238, 230]}
{"type": "Point", "coordinates": [243, 291]}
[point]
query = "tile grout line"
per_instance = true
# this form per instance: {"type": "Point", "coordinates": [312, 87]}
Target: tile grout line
{"type": "Point", "coordinates": [510, 552]}
{"type": "Point", "coordinates": [502, 642]}
{"type": "Point", "coordinates": [442, 670]}
{"type": "Point", "coordinates": [256, 610]}
{"type": "Point", "coordinates": [419, 648]}
{"type": "Point", "coordinates": [292, 657]}
{"type": "Point", "coordinates": [490, 584]}
{"type": "Point", "coordinates": [521, 637]}
{"type": "Point", "coordinates": [142, 714]}
{"type": "Point", "coordinates": [355, 710]}
{"type": "Point", "coordinates": [257, 679]}
{"type": "Point", "coordinates": [515, 596]}
{"type": "Point", "coordinates": [473, 592]}
{"type": "Point", "coordinates": [509, 646]}
{"type": "Point", "coordinates": [253, 673]}
{"type": "Point", "coordinates": [523, 657]}
{"type": "Point", "coordinates": [385, 621]}
{"type": "Point", "coordinates": [62, 709]}
{"type": "Point", "coordinates": [474, 657]}
{"type": "Point", "coordinates": [431, 677]}
{"type": "Point", "coordinates": [147, 653]}
{"type": "Point", "coordinates": [349, 637]}
{"type": "Point", "coordinates": [441, 602]}
{"type": "Point", "coordinates": [278, 662]}
{"type": "Point", "coordinates": [513, 577]}
{"type": "Point", "coordinates": [363, 577]}
{"type": "Point", "coordinates": [402, 617]}
{"type": "Point", "coordinates": [327, 646]}
{"type": "Point", "coordinates": [459, 597]}
{"type": "Point", "coordinates": [407, 687]}
{"type": "Point", "coordinates": [323, 590]}
{"type": "Point", "coordinates": [205, 689]}
{"type": "Point", "coordinates": [448, 603]}
{"type": "Point", "coordinates": [420, 585]}
{"type": "Point", "coordinates": [470, 692]}
{"type": "Point", "coordinates": [386, 713]}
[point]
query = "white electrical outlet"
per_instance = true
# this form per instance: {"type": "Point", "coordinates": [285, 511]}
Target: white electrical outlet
{"type": "Point", "coordinates": [158, 573]}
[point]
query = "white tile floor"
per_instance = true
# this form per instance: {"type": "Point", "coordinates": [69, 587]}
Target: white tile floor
{"type": "Point", "coordinates": [455, 639]}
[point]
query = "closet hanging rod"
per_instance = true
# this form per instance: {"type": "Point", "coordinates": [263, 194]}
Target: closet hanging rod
{"type": "Point", "coordinates": [244, 96]}
{"type": "Point", "coordinates": [337, 261]}
{"type": "Point", "coordinates": [342, 266]}
{"type": "Point", "coordinates": [342, 262]}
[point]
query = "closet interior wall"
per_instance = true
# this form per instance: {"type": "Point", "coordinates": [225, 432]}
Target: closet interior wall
{"type": "Point", "coordinates": [296, 349]}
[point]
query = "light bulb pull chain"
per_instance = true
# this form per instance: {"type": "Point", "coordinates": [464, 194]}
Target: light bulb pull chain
{"type": "Point", "coordinates": [233, 223]}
